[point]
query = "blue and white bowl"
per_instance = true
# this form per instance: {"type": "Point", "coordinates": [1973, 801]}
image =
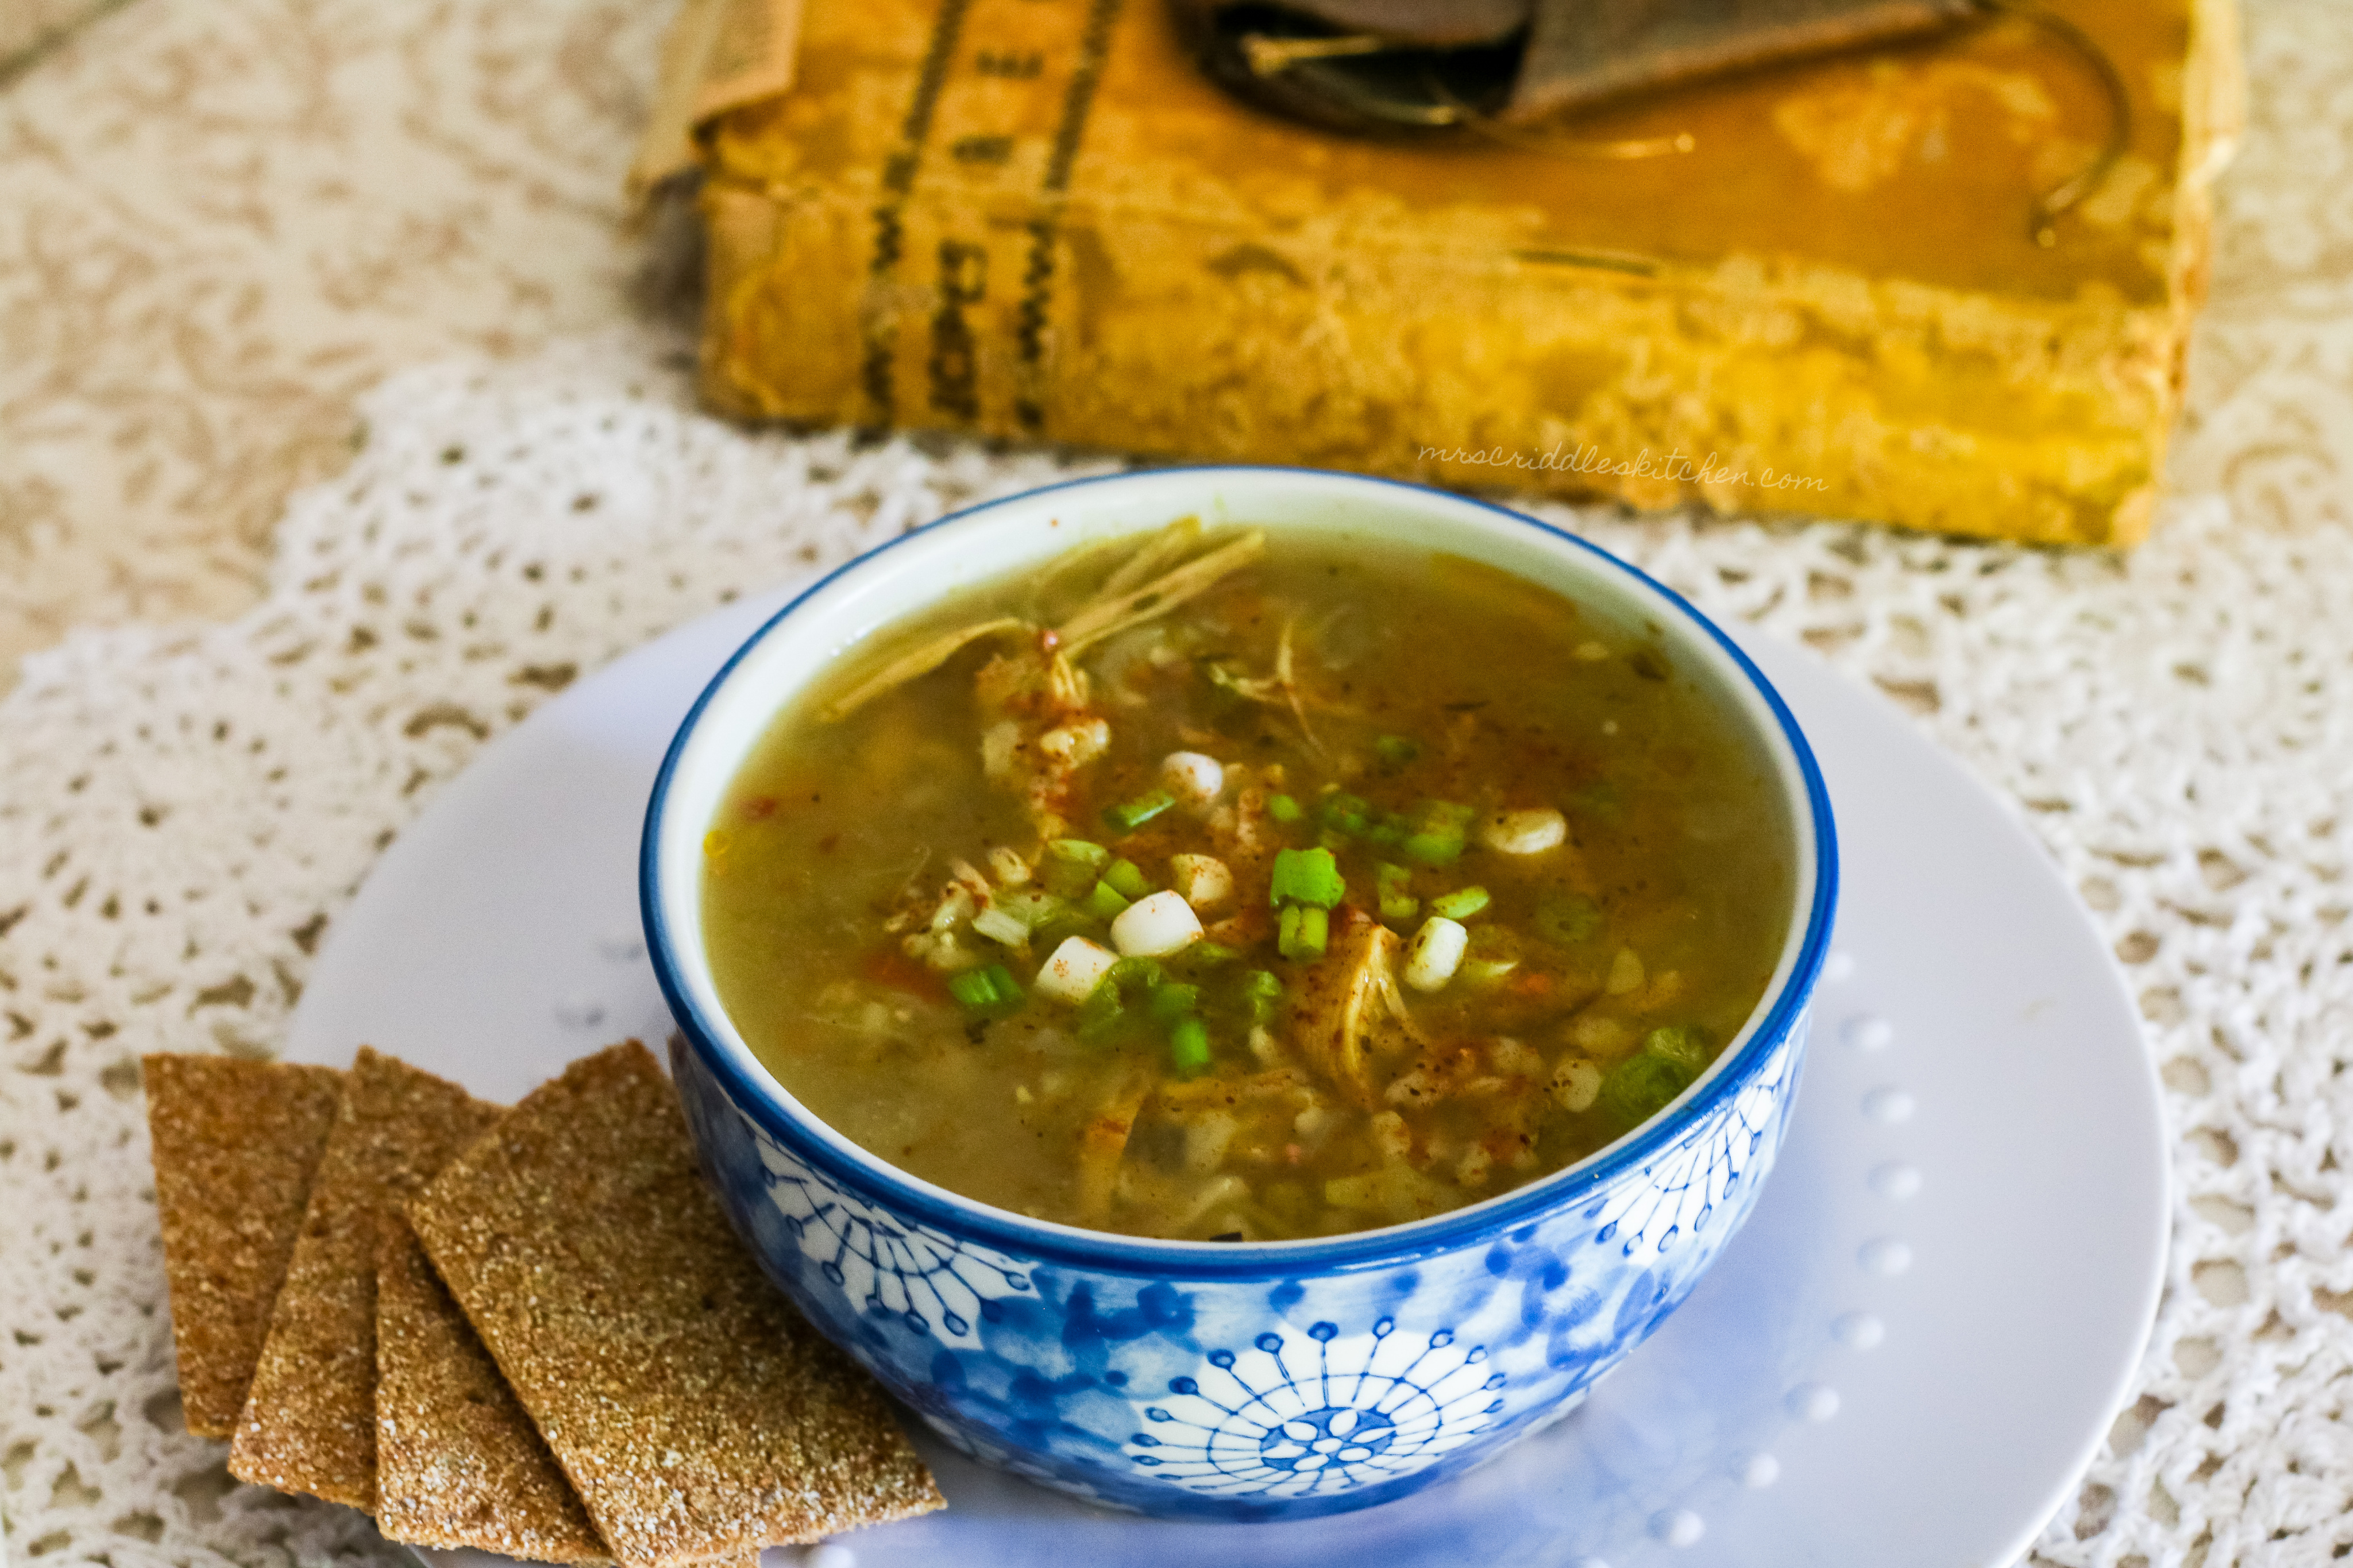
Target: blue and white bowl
{"type": "Point", "coordinates": [1205, 1380]}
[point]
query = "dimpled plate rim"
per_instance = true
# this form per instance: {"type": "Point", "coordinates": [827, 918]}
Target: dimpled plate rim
{"type": "Point", "coordinates": [1907, 1357]}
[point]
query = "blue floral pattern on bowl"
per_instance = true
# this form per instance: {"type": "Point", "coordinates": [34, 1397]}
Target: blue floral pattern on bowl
{"type": "Point", "coordinates": [1246, 1397]}
{"type": "Point", "coordinates": [1257, 1381]}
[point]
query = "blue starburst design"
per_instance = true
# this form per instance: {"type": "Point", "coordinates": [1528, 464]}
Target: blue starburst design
{"type": "Point", "coordinates": [1683, 1189]}
{"type": "Point", "coordinates": [928, 1283]}
{"type": "Point", "coordinates": [1289, 1417]}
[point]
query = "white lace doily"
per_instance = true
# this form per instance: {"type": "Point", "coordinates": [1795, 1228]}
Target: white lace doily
{"type": "Point", "coordinates": [183, 816]}
{"type": "Point", "coordinates": [182, 813]}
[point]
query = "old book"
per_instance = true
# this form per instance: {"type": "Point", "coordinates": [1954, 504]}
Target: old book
{"type": "Point", "coordinates": [1829, 287]}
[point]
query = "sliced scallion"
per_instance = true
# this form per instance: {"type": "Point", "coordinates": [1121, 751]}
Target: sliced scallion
{"type": "Point", "coordinates": [1303, 933]}
{"type": "Point", "coordinates": [1071, 865]}
{"type": "Point", "coordinates": [1169, 1002]}
{"type": "Point", "coordinates": [1189, 1047]}
{"type": "Point", "coordinates": [1283, 808]}
{"type": "Point", "coordinates": [1127, 879]}
{"type": "Point", "coordinates": [1397, 904]}
{"type": "Point", "coordinates": [1306, 877]}
{"type": "Point", "coordinates": [1104, 902]}
{"type": "Point", "coordinates": [1130, 815]}
{"type": "Point", "coordinates": [1461, 904]}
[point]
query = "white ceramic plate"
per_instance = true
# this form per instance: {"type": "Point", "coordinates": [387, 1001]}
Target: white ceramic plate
{"type": "Point", "coordinates": [1907, 1359]}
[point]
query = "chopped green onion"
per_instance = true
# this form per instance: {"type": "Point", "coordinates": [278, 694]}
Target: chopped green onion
{"type": "Point", "coordinates": [1494, 953]}
{"type": "Point", "coordinates": [1264, 991]}
{"type": "Point", "coordinates": [1129, 972]}
{"type": "Point", "coordinates": [1681, 1044]}
{"type": "Point", "coordinates": [1000, 925]}
{"type": "Point", "coordinates": [1283, 808]}
{"type": "Point", "coordinates": [992, 990]}
{"type": "Point", "coordinates": [1209, 952]}
{"type": "Point", "coordinates": [1131, 815]}
{"type": "Point", "coordinates": [1102, 1013]}
{"type": "Point", "coordinates": [1568, 918]}
{"type": "Point", "coordinates": [1397, 904]}
{"type": "Point", "coordinates": [1303, 933]}
{"type": "Point", "coordinates": [1189, 1047]}
{"type": "Point", "coordinates": [1461, 904]}
{"type": "Point", "coordinates": [1348, 813]}
{"type": "Point", "coordinates": [1306, 877]}
{"type": "Point", "coordinates": [1640, 1087]}
{"type": "Point", "coordinates": [1169, 1002]}
{"type": "Point", "coordinates": [1104, 902]}
{"type": "Point", "coordinates": [1432, 846]}
{"type": "Point", "coordinates": [1128, 879]}
{"type": "Point", "coordinates": [1071, 865]}
{"type": "Point", "coordinates": [1033, 907]}
{"type": "Point", "coordinates": [1395, 750]}
{"type": "Point", "coordinates": [1390, 831]}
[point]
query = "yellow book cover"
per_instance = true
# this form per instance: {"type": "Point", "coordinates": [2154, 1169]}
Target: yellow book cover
{"type": "Point", "coordinates": [1039, 219]}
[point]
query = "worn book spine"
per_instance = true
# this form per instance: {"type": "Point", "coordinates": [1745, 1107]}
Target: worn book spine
{"type": "Point", "coordinates": [1030, 218]}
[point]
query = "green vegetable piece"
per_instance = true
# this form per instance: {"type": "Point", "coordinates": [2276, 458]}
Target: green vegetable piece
{"type": "Point", "coordinates": [1390, 832]}
{"type": "Point", "coordinates": [1104, 901]}
{"type": "Point", "coordinates": [1102, 1014]}
{"type": "Point", "coordinates": [1131, 815]}
{"type": "Point", "coordinates": [1283, 809]}
{"type": "Point", "coordinates": [973, 988]}
{"type": "Point", "coordinates": [1493, 953]}
{"type": "Point", "coordinates": [1306, 877]}
{"type": "Point", "coordinates": [1348, 813]}
{"type": "Point", "coordinates": [991, 991]}
{"type": "Point", "coordinates": [1169, 1002]}
{"type": "Point", "coordinates": [1033, 907]}
{"type": "Point", "coordinates": [1432, 846]}
{"type": "Point", "coordinates": [1305, 931]}
{"type": "Point", "coordinates": [1128, 879]}
{"type": "Point", "coordinates": [1189, 1047]}
{"type": "Point", "coordinates": [1129, 972]}
{"type": "Point", "coordinates": [1568, 919]}
{"type": "Point", "coordinates": [1461, 904]}
{"type": "Point", "coordinates": [1264, 983]}
{"type": "Point", "coordinates": [1395, 750]}
{"type": "Point", "coordinates": [1683, 1044]}
{"type": "Point", "coordinates": [1640, 1087]}
{"type": "Point", "coordinates": [1397, 904]}
{"type": "Point", "coordinates": [1206, 954]}
{"type": "Point", "coordinates": [1070, 866]}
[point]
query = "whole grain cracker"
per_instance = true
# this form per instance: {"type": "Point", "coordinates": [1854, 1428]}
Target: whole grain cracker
{"type": "Point", "coordinates": [695, 1411]}
{"type": "Point", "coordinates": [235, 1144]}
{"type": "Point", "coordinates": [308, 1424]}
{"type": "Point", "coordinates": [458, 1462]}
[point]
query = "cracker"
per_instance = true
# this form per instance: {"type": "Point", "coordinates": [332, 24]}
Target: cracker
{"type": "Point", "coordinates": [458, 1462]}
{"type": "Point", "coordinates": [234, 1145]}
{"type": "Point", "coordinates": [695, 1411]}
{"type": "Point", "coordinates": [308, 1424]}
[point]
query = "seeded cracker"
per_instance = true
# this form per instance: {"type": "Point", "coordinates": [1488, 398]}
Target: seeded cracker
{"type": "Point", "coordinates": [694, 1410]}
{"type": "Point", "coordinates": [458, 1462]}
{"type": "Point", "coordinates": [309, 1425]}
{"type": "Point", "coordinates": [235, 1144]}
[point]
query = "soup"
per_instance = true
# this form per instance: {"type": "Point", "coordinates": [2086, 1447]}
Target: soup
{"type": "Point", "coordinates": [1233, 888]}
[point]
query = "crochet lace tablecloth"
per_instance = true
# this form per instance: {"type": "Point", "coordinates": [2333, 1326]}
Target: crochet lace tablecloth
{"type": "Point", "coordinates": [182, 813]}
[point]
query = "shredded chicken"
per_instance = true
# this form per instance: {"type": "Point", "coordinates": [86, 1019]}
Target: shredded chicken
{"type": "Point", "coordinates": [1347, 1010]}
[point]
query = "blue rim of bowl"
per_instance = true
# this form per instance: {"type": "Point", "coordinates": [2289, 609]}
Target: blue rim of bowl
{"type": "Point", "coordinates": [1354, 1251]}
